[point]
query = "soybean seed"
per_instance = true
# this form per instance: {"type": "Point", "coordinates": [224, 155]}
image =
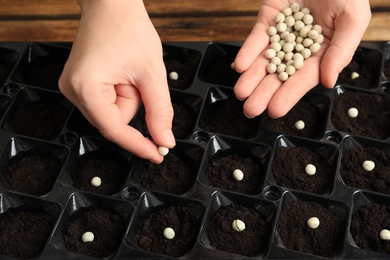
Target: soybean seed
{"type": "Point", "coordinates": [169, 233]}
{"type": "Point", "coordinates": [283, 76]}
{"type": "Point", "coordinates": [368, 165]}
{"type": "Point", "coordinates": [238, 225]}
{"type": "Point", "coordinates": [87, 237]}
{"type": "Point", "coordinates": [310, 169]}
{"type": "Point", "coordinates": [313, 223]}
{"type": "Point", "coordinates": [173, 75]}
{"type": "Point", "coordinates": [270, 53]}
{"type": "Point", "coordinates": [238, 175]}
{"type": "Point", "coordinates": [353, 112]}
{"type": "Point", "coordinates": [299, 124]}
{"type": "Point", "coordinates": [271, 68]}
{"type": "Point", "coordinates": [384, 234]}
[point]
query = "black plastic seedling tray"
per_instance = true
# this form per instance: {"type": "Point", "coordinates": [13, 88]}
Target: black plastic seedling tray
{"type": "Point", "coordinates": [36, 120]}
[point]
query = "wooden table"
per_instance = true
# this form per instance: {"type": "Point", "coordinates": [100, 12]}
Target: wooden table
{"type": "Point", "coordinates": [175, 20]}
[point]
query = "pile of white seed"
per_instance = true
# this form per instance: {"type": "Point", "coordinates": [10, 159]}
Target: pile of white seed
{"type": "Point", "coordinates": [293, 39]}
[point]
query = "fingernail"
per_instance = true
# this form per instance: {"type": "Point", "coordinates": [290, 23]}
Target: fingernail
{"type": "Point", "coordinates": [241, 99]}
{"type": "Point", "coordinates": [248, 116]}
{"type": "Point", "coordinates": [272, 117]}
{"type": "Point", "coordinates": [169, 138]}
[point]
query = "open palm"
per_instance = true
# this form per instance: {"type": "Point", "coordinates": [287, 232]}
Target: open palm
{"type": "Point", "coordinates": [343, 23]}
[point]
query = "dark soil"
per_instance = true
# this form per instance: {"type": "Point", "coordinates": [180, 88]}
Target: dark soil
{"type": "Point", "coordinates": [368, 76]}
{"type": "Point", "coordinates": [112, 172]}
{"type": "Point", "coordinates": [374, 114]}
{"type": "Point", "coordinates": [288, 169]}
{"type": "Point", "coordinates": [24, 234]}
{"type": "Point", "coordinates": [249, 242]}
{"type": "Point", "coordinates": [174, 175]}
{"type": "Point", "coordinates": [186, 71]}
{"type": "Point", "coordinates": [221, 73]}
{"type": "Point", "coordinates": [366, 225]}
{"type": "Point", "coordinates": [354, 175]}
{"type": "Point", "coordinates": [33, 175]}
{"type": "Point", "coordinates": [220, 174]}
{"type": "Point", "coordinates": [227, 117]}
{"type": "Point", "coordinates": [107, 227]}
{"type": "Point", "coordinates": [304, 111]}
{"type": "Point", "coordinates": [150, 234]}
{"type": "Point", "coordinates": [183, 121]}
{"type": "Point", "coordinates": [45, 73]}
{"type": "Point", "coordinates": [40, 119]}
{"type": "Point", "coordinates": [296, 235]}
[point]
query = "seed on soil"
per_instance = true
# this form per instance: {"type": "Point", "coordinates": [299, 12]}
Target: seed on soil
{"type": "Point", "coordinates": [169, 233]}
{"type": "Point", "coordinates": [355, 75]}
{"type": "Point", "coordinates": [238, 175]}
{"type": "Point", "coordinates": [96, 181]}
{"type": "Point", "coordinates": [238, 225]}
{"type": "Point", "coordinates": [173, 75]}
{"type": "Point", "coordinates": [353, 112]}
{"type": "Point", "coordinates": [87, 237]}
{"type": "Point", "coordinates": [368, 165]}
{"type": "Point", "coordinates": [310, 169]}
{"type": "Point", "coordinates": [313, 223]}
{"type": "Point", "coordinates": [299, 124]}
{"type": "Point", "coordinates": [384, 234]}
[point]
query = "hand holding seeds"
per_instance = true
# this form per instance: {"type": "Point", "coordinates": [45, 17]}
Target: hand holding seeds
{"type": "Point", "coordinates": [293, 47]}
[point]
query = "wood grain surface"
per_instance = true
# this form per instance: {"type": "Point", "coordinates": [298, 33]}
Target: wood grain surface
{"type": "Point", "coordinates": [175, 20]}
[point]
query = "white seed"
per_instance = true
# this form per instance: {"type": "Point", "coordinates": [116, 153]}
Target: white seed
{"type": "Point", "coordinates": [96, 181]}
{"type": "Point", "coordinates": [299, 124]}
{"type": "Point", "coordinates": [298, 64]}
{"type": "Point", "coordinates": [279, 18]}
{"type": "Point", "coordinates": [290, 38]}
{"type": "Point", "coordinates": [288, 56]}
{"type": "Point", "coordinates": [280, 55]}
{"type": "Point", "coordinates": [308, 19]}
{"type": "Point", "coordinates": [318, 28]}
{"type": "Point", "coordinates": [290, 63]}
{"type": "Point", "coordinates": [288, 47]}
{"type": "Point", "coordinates": [173, 75]}
{"type": "Point", "coordinates": [320, 39]}
{"type": "Point", "coordinates": [287, 11]}
{"type": "Point", "coordinates": [295, 7]}
{"type": "Point", "coordinates": [305, 10]}
{"type": "Point", "coordinates": [284, 34]}
{"type": "Point", "coordinates": [276, 46]}
{"type": "Point", "coordinates": [271, 68]}
{"type": "Point", "coordinates": [272, 30]}
{"type": "Point", "coordinates": [353, 112]}
{"type": "Point", "coordinates": [238, 175]}
{"type": "Point", "coordinates": [312, 34]}
{"type": "Point", "coordinates": [310, 169]}
{"type": "Point", "coordinates": [289, 21]}
{"type": "Point", "coordinates": [289, 29]}
{"type": "Point", "coordinates": [354, 75]}
{"type": "Point", "coordinates": [315, 47]}
{"type": "Point", "coordinates": [282, 42]}
{"type": "Point", "coordinates": [169, 233]}
{"type": "Point", "coordinates": [313, 223]}
{"type": "Point", "coordinates": [163, 150]}
{"type": "Point", "coordinates": [299, 25]}
{"type": "Point", "coordinates": [290, 70]}
{"type": "Point", "coordinates": [270, 53]}
{"type": "Point", "coordinates": [281, 68]}
{"type": "Point", "coordinates": [276, 60]}
{"type": "Point", "coordinates": [283, 76]}
{"type": "Point", "coordinates": [232, 66]}
{"type": "Point", "coordinates": [368, 165]}
{"type": "Point", "coordinates": [304, 31]}
{"type": "Point", "coordinates": [274, 38]}
{"type": "Point", "coordinates": [281, 27]}
{"type": "Point", "coordinates": [298, 16]}
{"type": "Point", "coordinates": [384, 234]}
{"type": "Point", "coordinates": [306, 53]}
{"type": "Point", "coordinates": [298, 56]}
{"type": "Point", "coordinates": [299, 47]}
{"type": "Point", "coordinates": [87, 237]}
{"type": "Point", "coordinates": [307, 42]}
{"type": "Point", "coordinates": [238, 225]}
{"type": "Point", "coordinates": [299, 39]}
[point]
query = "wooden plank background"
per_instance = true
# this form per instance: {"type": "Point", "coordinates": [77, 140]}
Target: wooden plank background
{"type": "Point", "coordinates": [175, 20]}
